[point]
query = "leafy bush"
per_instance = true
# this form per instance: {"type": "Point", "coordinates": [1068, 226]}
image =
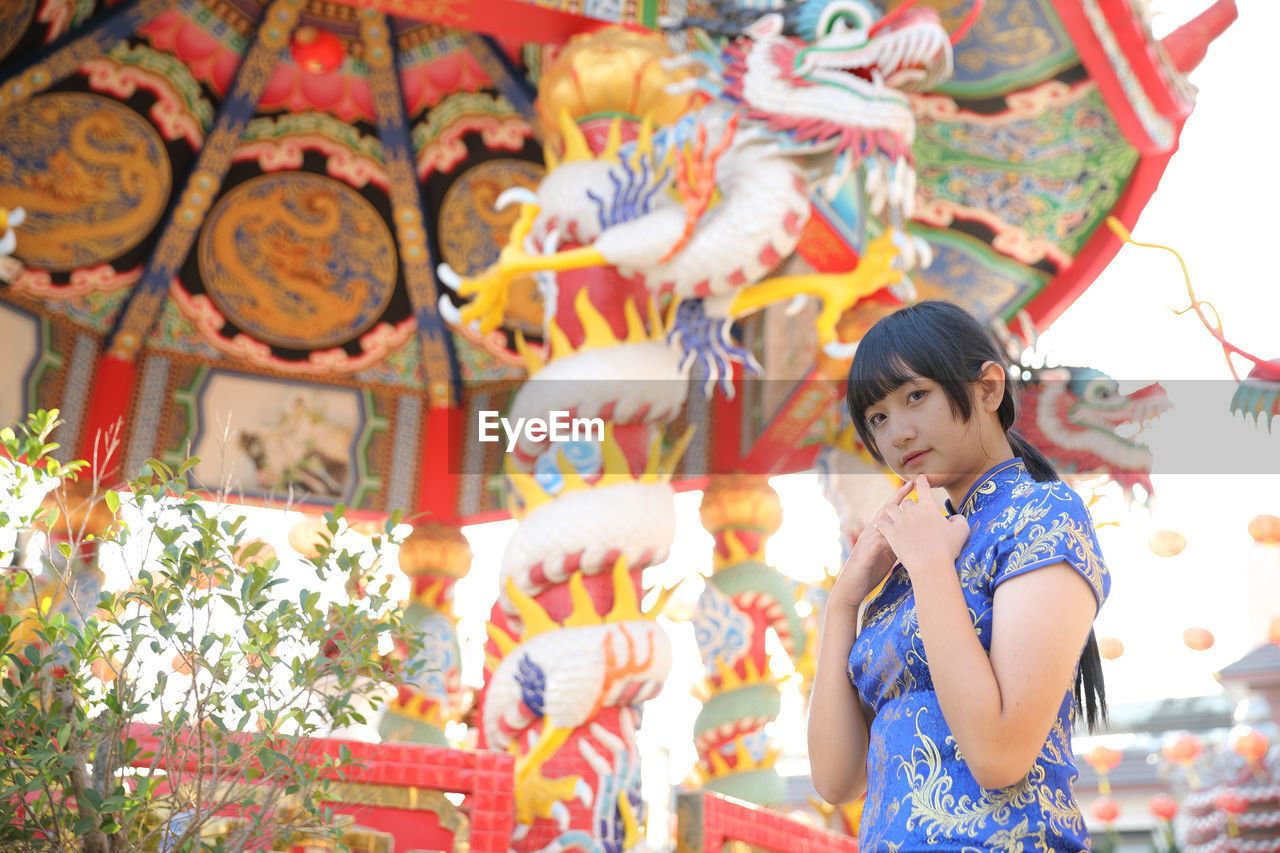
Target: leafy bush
{"type": "Point", "coordinates": [139, 718]}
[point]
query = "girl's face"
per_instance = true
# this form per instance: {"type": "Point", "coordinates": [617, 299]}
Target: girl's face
{"type": "Point", "coordinates": [917, 433]}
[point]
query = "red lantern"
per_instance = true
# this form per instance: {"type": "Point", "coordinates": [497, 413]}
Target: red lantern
{"type": "Point", "coordinates": [1111, 648]}
{"type": "Point", "coordinates": [316, 51]}
{"type": "Point", "coordinates": [1231, 802]}
{"type": "Point", "coordinates": [1250, 744]}
{"type": "Point", "coordinates": [1167, 543]}
{"type": "Point", "coordinates": [1105, 810]}
{"type": "Point", "coordinates": [1102, 760]}
{"type": "Point", "coordinates": [1265, 529]}
{"type": "Point", "coordinates": [1163, 806]}
{"type": "Point", "coordinates": [260, 557]}
{"type": "Point", "coordinates": [307, 536]}
{"type": "Point", "coordinates": [1234, 804]}
{"type": "Point", "coordinates": [1183, 749]}
{"type": "Point", "coordinates": [1198, 638]}
{"type": "Point", "coordinates": [1273, 631]}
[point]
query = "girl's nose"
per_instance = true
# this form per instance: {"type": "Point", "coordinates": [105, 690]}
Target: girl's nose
{"type": "Point", "coordinates": [901, 431]}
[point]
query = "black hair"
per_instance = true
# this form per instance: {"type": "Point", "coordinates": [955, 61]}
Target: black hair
{"type": "Point", "coordinates": [943, 342]}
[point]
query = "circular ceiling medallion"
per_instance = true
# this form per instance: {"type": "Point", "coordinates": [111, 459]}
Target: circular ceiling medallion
{"type": "Point", "coordinates": [93, 176]}
{"type": "Point", "coordinates": [15, 17]}
{"type": "Point", "coordinates": [297, 260]}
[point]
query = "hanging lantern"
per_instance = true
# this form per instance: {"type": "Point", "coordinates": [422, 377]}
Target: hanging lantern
{"type": "Point", "coordinates": [1265, 529]}
{"type": "Point", "coordinates": [315, 50]}
{"type": "Point", "coordinates": [1105, 809]}
{"type": "Point", "coordinates": [105, 670]}
{"type": "Point", "coordinates": [1250, 744]}
{"type": "Point", "coordinates": [1184, 749]}
{"type": "Point", "coordinates": [307, 536]}
{"type": "Point", "coordinates": [1231, 802]}
{"type": "Point", "coordinates": [1234, 804]}
{"type": "Point", "coordinates": [182, 664]}
{"type": "Point", "coordinates": [1273, 631]}
{"type": "Point", "coordinates": [259, 557]}
{"type": "Point", "coordinates": [1198, 639]}
{"type": "Point", "coordinates": [1110, 648]}
{"type": "Point", "coordinates": [1103, 760]}
{"type": "Point", "coordinates": [1163, 806]}
{"type": "Point", "coordinates": [1167, 543]}
{"type": "Point", "coordinates": [86, 512]}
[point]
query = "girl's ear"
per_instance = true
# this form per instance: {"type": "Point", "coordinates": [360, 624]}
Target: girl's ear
{"type": "Point", "coordinates": [990, 386]}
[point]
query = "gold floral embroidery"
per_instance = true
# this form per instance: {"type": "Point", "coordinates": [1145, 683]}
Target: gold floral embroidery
{"type": "Point", "coordinates": [1063, 538]}
{"type": "Point", "coordinates": [937, 811]}
{"type": "Point", "coordinates": [1057, 747]}
{"type": "Point", "coordinates": [988, 486]}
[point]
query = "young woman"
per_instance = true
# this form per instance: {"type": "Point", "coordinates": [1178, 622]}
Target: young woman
{"type": "Point", "coordinates": [951, 701]}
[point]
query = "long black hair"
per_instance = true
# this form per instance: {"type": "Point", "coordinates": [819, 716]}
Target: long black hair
{"type": "Point", "coordinates": [940, 341]}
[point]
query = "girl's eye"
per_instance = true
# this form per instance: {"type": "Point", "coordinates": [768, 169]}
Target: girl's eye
{"type": "Point", "coordinates": [875, 420]}
{"type": "Point", "coordinates": [917, 394]}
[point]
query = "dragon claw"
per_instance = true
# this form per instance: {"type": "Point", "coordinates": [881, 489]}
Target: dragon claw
{"type": "Point", "coordinates": [707, 339]}
{"type": "Point", "coordinates": [536, 795]}
{"type": "Point", "coordinates": [492, 287]}
{"type": "Point", "coordinates": [839, 292]}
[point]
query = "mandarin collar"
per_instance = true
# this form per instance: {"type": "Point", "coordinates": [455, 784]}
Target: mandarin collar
{"type": "Point", "coordinates": [986, 485]}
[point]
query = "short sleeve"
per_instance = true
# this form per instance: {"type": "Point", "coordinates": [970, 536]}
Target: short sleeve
{"type": "Point", "coordinates": [1053, 525]}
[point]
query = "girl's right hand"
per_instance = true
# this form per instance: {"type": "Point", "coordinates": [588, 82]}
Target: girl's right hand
{"type": "Point", "coordinates": [870, 559]}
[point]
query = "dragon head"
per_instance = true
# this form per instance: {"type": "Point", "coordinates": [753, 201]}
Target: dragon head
{"type": "Point", "coordinates": [835, 73]}
{"type": "Point", "coordinates": [1079, 419]}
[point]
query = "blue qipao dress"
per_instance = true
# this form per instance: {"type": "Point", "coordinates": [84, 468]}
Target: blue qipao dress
{"type": "Point", "coordinates": [921, 794]}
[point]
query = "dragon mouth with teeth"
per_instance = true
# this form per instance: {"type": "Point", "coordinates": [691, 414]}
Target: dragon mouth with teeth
{"type": "Point", "coordinates": [1086, 428]}
{"type": "Point", "coordinates": [842, 92]}
{"type": "Point", "coordinates": [909, 54]}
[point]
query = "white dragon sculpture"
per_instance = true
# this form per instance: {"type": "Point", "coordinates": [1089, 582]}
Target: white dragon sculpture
{"type": "Point", "coordinates": [685, 223]}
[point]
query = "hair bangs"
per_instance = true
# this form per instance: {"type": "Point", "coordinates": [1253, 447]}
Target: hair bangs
{"type": "Point", "coordinates": [877, 371]}
{"type": "Point", "coordinates": [922, 340]}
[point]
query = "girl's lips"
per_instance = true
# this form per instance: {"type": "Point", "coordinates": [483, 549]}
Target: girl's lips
{"type": "Point", "coordinates": [913, 458]}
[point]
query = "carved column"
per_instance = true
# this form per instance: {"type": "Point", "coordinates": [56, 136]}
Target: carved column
{"type": "Point", "coordinates": [744, 598]}
{"type": "Point", "coordinates": [434, 556]}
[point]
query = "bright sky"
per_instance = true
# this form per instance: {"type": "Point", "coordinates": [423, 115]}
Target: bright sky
{"type": "Point", "coordinates": [1212, 207]}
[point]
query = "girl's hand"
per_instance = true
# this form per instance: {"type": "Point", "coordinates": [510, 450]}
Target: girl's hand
{"type": "Point", "coordinates": [870, 559]}
{"type": "Point", "coordinates": [921, 536]}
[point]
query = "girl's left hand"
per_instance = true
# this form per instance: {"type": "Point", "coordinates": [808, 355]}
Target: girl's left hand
{"type": "Point", "coordinates": [920, 535]}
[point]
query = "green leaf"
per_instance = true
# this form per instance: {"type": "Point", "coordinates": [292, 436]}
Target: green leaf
{"type": "Point", "coordinates": [94, 798]}
{"type": "Point", "coordinates": [113, 500]}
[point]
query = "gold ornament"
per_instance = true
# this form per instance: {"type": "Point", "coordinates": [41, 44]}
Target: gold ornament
{"type": "Point", "coordinates": [435, 548]}
{"type": "Point", "coordinates": [741, 500]}
{"type": "Point", "coordinates": [613, 71]}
